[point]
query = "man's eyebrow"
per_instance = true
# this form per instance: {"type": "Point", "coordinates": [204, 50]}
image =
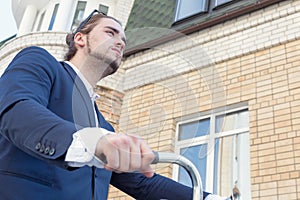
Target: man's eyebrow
{"type": "Point", "coordinates": [116, 31]}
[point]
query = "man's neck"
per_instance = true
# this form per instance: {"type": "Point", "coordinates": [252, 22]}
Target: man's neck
{"type": "Point", "coordinates": [90, 68]}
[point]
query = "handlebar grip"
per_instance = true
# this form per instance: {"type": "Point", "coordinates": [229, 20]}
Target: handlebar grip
{"type": "Point", "coordinates": [102, 157]}
{"type": "Point", "coordinates": [156, 158]}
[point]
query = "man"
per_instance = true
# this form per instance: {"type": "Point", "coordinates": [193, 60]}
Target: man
{"type": "Point", "coordinates": [54, 139]}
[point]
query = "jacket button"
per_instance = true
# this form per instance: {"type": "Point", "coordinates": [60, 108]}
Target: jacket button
{"type": "Point", "coordinates": [38, 146]}
{"type": "Point", "coordinates": [42, 148]}
{"type": "Point", "coordinates": [47, 150]}
{"type": "Point", "coordinates": [52, 151]}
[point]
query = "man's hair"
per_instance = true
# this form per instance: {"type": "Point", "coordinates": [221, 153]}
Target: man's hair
{"type": "Point", "coordinates": [85, 29]}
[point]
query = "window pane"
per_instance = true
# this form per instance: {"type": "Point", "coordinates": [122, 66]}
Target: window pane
{"type": "Point", "coordinates": [198, 156]}
{"type": "Point", "coordinates": [219, 2]}
{"type": "Point", "coordinates": [232, 121]}
{"type": "Point", "coordinates": [223, 165]}
{"type": "Point", "coordinates": [103, 9]}
{"type": "Point", "coordinates": [78, 14]}
{"type": "Point", "coordinates": [243, 155]}
{"type": "Point", "coordinates": [186, 8]}
{"type": "Point", "coordinates": [41, 21]}
{"type": "Point", "coordinates": [232, 164]}
{"type": "Point", "coordinates": [53, 17]}
{"type": "Point", "coordinates": [194, 129]}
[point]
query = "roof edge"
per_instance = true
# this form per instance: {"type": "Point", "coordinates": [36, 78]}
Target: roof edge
{"type": "Point", "coordinates": [247, 9]}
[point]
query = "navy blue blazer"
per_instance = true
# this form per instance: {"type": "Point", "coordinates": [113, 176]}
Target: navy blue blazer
{"type": "Point", "coordinates": [42, 103]}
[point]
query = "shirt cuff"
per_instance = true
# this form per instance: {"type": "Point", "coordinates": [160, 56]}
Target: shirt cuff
{"type": "Point", "coordinates": [82, 149]}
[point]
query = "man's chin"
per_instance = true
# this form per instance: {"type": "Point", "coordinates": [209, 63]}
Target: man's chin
{"type": "Point", "coordinates": [111, 69]}
{"type": "Point", "coordinates": [112, 64]}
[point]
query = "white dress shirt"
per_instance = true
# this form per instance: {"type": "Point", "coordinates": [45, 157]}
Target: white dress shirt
{"type": "Point", "coordinates": [82, 149]}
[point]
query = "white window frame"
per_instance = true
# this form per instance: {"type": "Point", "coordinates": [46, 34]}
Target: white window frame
{"type": "Point", "coordinates": [179, 17]}
{"type": "Point", "coordinates": [53, 16]}
{"type": "Point", "coordinates": [73, 24]}
{"type": "Point", "coordinates": [209, 140]}
{"type": "Point", "coordinates": [103, 5]}
{"type": "Point", "coordinates": [217, 3]}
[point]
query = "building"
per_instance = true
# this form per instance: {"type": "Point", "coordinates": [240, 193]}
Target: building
{"type": "Point", "coordinates": [214, 80]}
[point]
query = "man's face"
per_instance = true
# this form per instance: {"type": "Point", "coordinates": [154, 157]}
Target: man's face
{"type": "Point", "coordinates": [106, 42]}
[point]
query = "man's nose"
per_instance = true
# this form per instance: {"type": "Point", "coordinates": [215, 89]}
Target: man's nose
{"type": "Point", "coordinates": [120, 42]}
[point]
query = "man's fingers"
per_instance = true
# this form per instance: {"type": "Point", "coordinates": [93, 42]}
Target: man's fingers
{"type": "Point", "coordinates": [112, 158]}
{"type": "Point", "coordinates": [135, 154]}
{"type": "Point", "coordinates": [125, 153]}
{"type": "Point", "coordinates": [124, 156]}
{"type": "Point", "coordinates": [147, 158]}
{"type": "Point", "coordinates": [147, 154]}
{"type": "Point", "coordinates": [148, 172]}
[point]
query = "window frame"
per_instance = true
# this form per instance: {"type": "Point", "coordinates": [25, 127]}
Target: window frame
{"type": "Point", "coordinates": [213, 10]}
{"type": "Point", "coordinates": [208, 139]}
{"type": "Point", "coordinates": [222, 4]}
{"type": "Point", "coordinates": [53, 17]}
{"type": "Point", "coordinates": [177, 8]}
{"type": "Point", "coordinates": [40, 20]}
{"type": "Point", "coordinates": [101, 6]}
{"type": "Point", "coordinates": [73, 24]}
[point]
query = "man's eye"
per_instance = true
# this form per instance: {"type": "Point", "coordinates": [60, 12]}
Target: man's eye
{"type": "Point", "coordinates": [111, 33]}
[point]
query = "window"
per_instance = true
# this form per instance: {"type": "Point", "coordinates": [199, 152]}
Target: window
{"type": "Point", "coordinates": [78, 16]}
{"type": "Point", "coordinates": [194, 129]}
{"type": "Point", "coordinates": [202, 11]}
{"type": "Point", "coordinates": [186, 8]}
{"type": "Point", "coordinates": [220, 2]}
{"type": "Point", "coordinates": [103, 9]}
{"type": "Point", "coordinates": [41, 21]}
{"type": "Point", "coordinates": [218, 145]}
{"type": "Point", "coordinates": [53, 17]}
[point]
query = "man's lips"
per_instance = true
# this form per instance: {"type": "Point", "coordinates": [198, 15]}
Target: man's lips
{"type": "Point", "coordinates": [118, 51]}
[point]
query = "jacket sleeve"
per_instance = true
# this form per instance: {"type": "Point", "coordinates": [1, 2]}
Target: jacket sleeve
{"type": "Point", "coordinates": [157, 187]}
{"type": "Point", "coordinates": [24, 118]}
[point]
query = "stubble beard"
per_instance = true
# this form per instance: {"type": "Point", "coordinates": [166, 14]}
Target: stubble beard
{"type": "Point", "coordinates": [109, 66]}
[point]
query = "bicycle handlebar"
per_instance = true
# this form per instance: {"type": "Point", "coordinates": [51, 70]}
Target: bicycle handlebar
{"type": "Point", "coordinates": [164, 157]}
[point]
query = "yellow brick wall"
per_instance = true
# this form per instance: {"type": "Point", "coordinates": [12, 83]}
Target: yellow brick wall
{"type": "Point", "coordinates": [109, 104]}
{"type": "Point", "coordinates": [274, 123]}
{"type": "Point", "coordinates": [268, 80]}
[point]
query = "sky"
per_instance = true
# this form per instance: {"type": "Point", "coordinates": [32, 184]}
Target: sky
{"type": "Point", "coordinates": [8, 25]}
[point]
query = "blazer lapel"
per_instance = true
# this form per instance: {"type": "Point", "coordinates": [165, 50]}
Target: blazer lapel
{"type": "Point", "coordinates": [102, 122]}
{"type": "Point", "coordinates": [81, 102]}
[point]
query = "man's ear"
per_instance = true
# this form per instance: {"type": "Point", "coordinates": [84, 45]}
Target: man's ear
{"type": "Point", "coordinates": [80, 39]}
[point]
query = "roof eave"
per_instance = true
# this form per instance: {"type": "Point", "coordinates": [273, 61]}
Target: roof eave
{"type": "Point", "coordinates": [247, 9]}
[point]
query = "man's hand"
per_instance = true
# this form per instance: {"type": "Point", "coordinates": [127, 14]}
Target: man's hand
{"type": "Point", "coordinates": [125, 153]}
